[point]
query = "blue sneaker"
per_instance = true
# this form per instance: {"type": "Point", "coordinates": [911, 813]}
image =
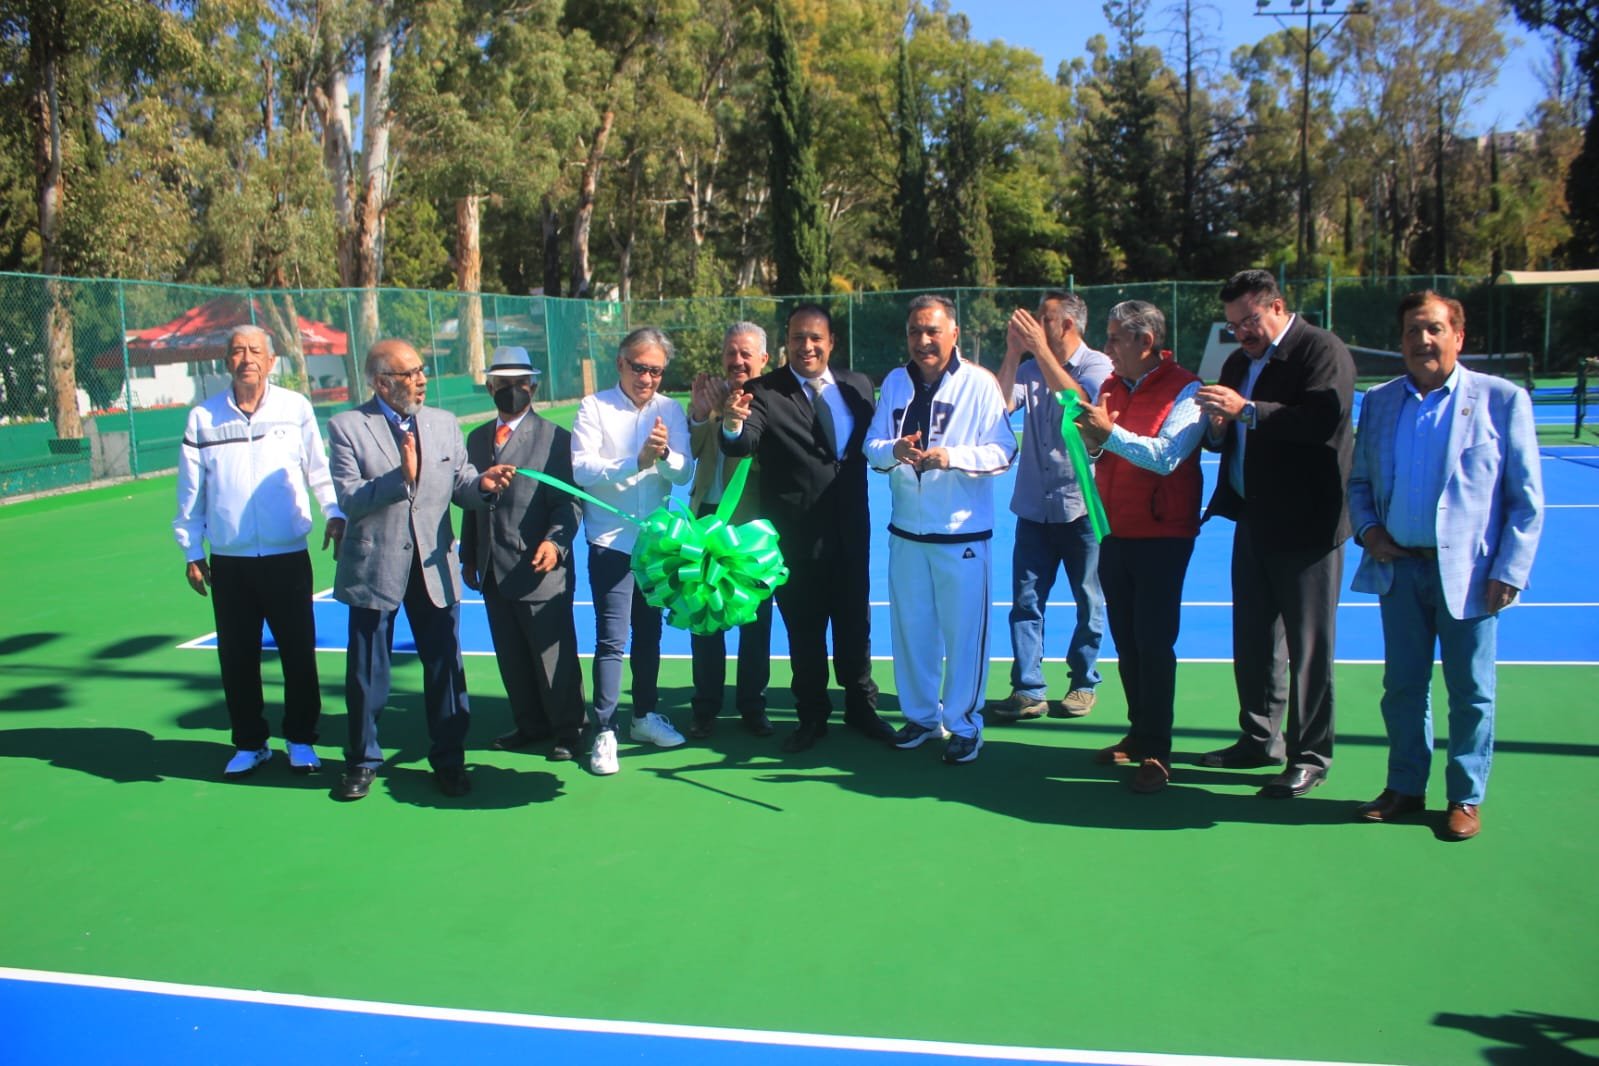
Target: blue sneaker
{"type": "Point", "coordinates": [963, 749]}
{"type": "Point", "coordinates": [910, 735]}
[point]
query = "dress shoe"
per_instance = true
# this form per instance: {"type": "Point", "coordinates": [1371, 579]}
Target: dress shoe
{"type": "Point", "coordinates": [872, 727]}
{"type": "Point", "coordinates": [356, 783]}
{"type": "Point", "coordinates": [756, 724]}
{"type": "Point", "coordinates": [566, 748]}
{"type": "Point", "coordinates": [1294, 781]}
{"type": "Point", "coordinates": [1390, 806]}
{"type": "Point", "coordinates": [804, 738]}
{"type": "Point", "coordinates": [516, 740]}
{"type": "Point", "coordinates": [1239, 756]}
{"type": "Point", "coordinates": [1121, 753]}
{"type": "Point", "coordinates": [1152, 776]}
{"type": "Point", "coordinates": [701, 728]}
{"type": "Point", "coordinates": [1462, 822]}
{"type": "Point", "coordinates": [452, 780]}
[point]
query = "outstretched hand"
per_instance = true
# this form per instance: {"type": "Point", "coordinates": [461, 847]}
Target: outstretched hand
{"type": "Point", "coordinates": [1094, 422]}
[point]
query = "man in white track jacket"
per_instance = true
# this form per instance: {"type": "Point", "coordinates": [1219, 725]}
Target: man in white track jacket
{"type": "Point", "coordinates": [940, 433]}
{"type": "Point", "coordinates": [247, 457]}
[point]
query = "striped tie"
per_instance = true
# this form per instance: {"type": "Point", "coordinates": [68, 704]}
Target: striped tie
{"type": "Point", "coordinates": [502, 433]}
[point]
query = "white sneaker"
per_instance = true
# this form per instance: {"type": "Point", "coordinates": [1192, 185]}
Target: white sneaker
{"type": "Point", "coordinates": [302, 758]}
{"type": "Point", "coordinates": [656, 729]}
{"type": "Point", "coordinates": [602, 760]}
{"type": "Point", "coordinates": [244, 762]}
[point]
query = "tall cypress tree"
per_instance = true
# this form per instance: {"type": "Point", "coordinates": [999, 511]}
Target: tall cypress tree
{"type": "Point", "coordinates": [973, 236]}
{"type": "Point", "coordinates": [912, 248]}
{"type": "Point", "coordinates": [799, 219]}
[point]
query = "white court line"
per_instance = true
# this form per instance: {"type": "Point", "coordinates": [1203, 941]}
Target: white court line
{"type": "Point", "coordinates": [603, 1026]}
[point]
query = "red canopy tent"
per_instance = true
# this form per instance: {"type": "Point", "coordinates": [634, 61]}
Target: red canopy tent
{"type": "Point", "coordinates": [201, 334]}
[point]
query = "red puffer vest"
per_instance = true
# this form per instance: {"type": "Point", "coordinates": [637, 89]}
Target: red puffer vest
{"type": "Point", "coordinates": [1139, 502]}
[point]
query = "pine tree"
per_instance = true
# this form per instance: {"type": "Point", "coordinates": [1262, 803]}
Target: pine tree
{"type": "Point", "coordinates": [912, 253]}
{"type": "Point", "coordinates": [799, 218]}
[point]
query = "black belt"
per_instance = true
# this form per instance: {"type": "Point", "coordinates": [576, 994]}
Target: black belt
{"type": "Point", "coordinates": [1422, 553]}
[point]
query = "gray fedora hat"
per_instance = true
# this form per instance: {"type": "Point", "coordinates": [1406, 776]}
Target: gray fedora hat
{"type": "Point", "coordinates": [512, 362]}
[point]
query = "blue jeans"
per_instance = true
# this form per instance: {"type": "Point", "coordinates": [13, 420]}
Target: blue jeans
{"type": "Point", "coordinates": [1414, 619]}
{"type": "Point", "coordinates": [618, 608]}
{"type": "Point", "coordinates": [1041, 549]}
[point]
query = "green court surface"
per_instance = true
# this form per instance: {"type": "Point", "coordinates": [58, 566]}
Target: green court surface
{"type": "Point", "coordinates": [1026, 900]}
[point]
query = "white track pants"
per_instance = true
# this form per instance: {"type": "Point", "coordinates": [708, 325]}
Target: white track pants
{"type": "Point", "coordinates": [939, 595]}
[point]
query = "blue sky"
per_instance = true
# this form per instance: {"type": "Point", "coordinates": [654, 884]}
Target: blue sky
{"type": "Point", "coordinates": [1058, 31]}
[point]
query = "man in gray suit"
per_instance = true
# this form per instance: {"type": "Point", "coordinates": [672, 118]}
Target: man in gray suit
{"type": "Point", "coordinates": [519, 553]}
{"type": "Point", "coordinates": [396, 466]}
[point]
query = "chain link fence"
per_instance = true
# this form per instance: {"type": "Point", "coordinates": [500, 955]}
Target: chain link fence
{"type": "Point", "coordinates": [97, 376]}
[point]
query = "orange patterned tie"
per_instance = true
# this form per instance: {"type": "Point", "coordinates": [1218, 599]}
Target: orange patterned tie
{"type": "Point", "coordinates": [502, 433]}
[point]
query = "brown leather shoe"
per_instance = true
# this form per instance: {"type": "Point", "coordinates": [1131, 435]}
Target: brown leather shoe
{"type": "Point", "coordinates": [1462, 822]}
{"type": "Point", "coordinates": [1152, 776]}
{"type": "Point", "coordinates": [1390, 806]}
{"type": "Point", "coordinates": [1121, 753]}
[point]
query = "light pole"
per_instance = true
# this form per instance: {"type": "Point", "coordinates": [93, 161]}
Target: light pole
{"type": "Point", "coordinates": [1313, 39]}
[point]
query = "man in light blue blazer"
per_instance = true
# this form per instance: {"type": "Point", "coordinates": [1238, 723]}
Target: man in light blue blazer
{"type": "Point", "coordinates": [396, 466]}
{"type": "Point", "coordinates": [1446, 497]}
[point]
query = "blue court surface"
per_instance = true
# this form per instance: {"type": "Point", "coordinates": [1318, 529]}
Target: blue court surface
{"type": "Point", "coordinates": [1554, 622]}
{"type": "Point", "coordinates": [71, 1018]}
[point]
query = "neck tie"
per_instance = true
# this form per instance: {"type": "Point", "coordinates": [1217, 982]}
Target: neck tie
{"type": "Point", "coordinates": [502, 433]}
{"type": "Point", "coordinates": [824, 414]}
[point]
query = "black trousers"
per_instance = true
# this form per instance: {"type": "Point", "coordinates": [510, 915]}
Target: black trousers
{"type": "Point", "coordinates": [247, 591]}
{"type": "Point", "coordinates": [821, 593]}
{"type": "Point", "coordinates": [1285, 605]}
{"type": "Point", "coordinates": [535, 647]}
{"type": "Point", "coordinates": [1143, 584]}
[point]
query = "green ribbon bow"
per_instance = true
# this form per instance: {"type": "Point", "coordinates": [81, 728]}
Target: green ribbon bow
{"type": "Point", "coordinates": [1078, 452]}
{"type": "Point", "coordinates": [705, 573]}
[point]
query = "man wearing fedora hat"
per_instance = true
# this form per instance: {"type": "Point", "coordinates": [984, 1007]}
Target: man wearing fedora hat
{"type": "Point", "coordinates": [518, 553]}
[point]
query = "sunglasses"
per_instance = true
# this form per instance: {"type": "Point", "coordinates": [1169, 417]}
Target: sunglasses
{"type": "Point", "coordinates": [645, 370]}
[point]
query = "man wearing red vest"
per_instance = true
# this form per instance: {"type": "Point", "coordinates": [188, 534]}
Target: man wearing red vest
{"type": "Point", "coordinates": [1144, 434]}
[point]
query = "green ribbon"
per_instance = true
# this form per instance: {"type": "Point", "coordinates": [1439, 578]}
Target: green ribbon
{"type": "Point", "coordinates": [707, 574]}
{"type": "Point", "coordinates": [1078, 452]}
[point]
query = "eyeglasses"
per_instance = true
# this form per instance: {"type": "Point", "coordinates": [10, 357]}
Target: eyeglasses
{"type": "Point", "coordinates": [1252, 323]}
{"type": "Point", "coordinates": [416, 373]}
{"type": "Point", "coordinates": [645, 370]}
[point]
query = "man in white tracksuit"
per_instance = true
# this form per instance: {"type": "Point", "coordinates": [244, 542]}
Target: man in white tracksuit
{"type": "Point", "coordinates": [940, 432]}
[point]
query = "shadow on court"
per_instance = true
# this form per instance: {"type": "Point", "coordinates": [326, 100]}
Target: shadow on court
{"type": "Point", "coordinates": [127, 756]}
{"type": "Point", "coordinates": [494, 788]}
{"type": "Point", "coordinates": [1044, 785]}
{"type": "Point", "coordinates": [1529, 1038]}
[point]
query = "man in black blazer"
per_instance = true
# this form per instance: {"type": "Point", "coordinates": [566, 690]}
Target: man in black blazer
{"type": "Point", "coordinates": [519, 554]}
{"type": "Point", "coordinates": [1280, 418]}
{"type": "Point", "coordinates": [806, 424]}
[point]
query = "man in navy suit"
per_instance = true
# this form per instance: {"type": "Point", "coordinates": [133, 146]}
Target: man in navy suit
{"type": "Point", "coordinates": [396, 467]}
{"type": "Point", "coordinates": [806, 424]}
{"type": "Point", "coordinates": [1446, 497]}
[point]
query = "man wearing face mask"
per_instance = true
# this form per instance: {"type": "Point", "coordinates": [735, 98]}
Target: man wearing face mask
{"type": "Point", "coordinates": [518, 553]}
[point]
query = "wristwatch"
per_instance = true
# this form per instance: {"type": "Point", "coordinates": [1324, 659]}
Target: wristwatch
{"type": "Point", "coordinates": [1247, 415]}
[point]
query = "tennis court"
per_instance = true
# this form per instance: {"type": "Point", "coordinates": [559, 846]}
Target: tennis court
{"type": "Point", "coordinates": [723, 902]}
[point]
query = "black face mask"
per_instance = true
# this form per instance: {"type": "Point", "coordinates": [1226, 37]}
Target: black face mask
{"type": "Point", "coordinates": [512, 400]}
